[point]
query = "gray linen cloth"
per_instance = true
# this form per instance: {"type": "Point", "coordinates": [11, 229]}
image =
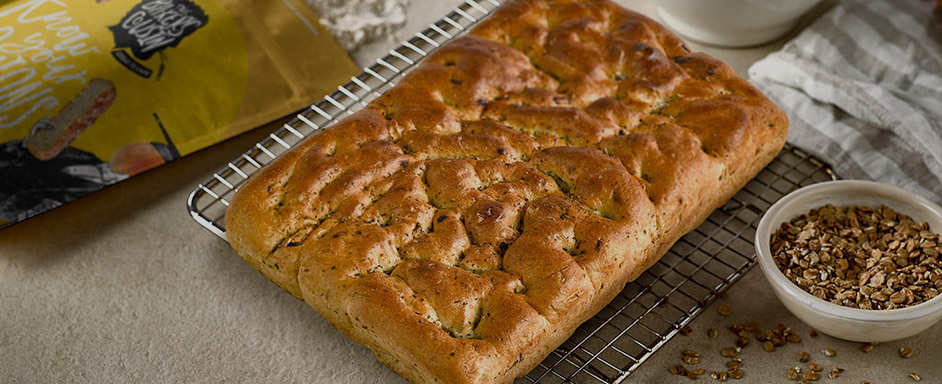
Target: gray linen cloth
{"type": "Point", "coordinates": [862, 88]}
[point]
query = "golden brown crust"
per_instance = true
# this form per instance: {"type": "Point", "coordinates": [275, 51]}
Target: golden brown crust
{"type": "Point", "coordinates": [463, 224]}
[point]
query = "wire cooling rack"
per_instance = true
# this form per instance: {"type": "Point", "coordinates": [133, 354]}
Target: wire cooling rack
{"type": "Point", "coordinates": [651, 309]}
{"type": "Point", "coordinates": [666, 297]}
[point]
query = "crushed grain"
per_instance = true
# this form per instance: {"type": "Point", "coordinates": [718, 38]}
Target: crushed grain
{"type": "Point", "coordinates": [793, 373]}
{"type": "Point", "coordinates": [742, 341]}
{"type": "Point", "coordinates": [814, 367]}
{"type": "Point", "coordinates": [735, 373]}
{"type": "Point", "coordinates": [811, 376]}
{"type": "Point", "coordinates": [905, 352]}
{"type": "Point", "coordinates": [860, 257]}
{"type": "Point", "coordinates": [730, 351]}
{"type": "Point", "coordinates": [835, 373]}
{"type": "Point", "coordinates": [721, 376]}
{"type": "Point", "coordinates": [768, 346]}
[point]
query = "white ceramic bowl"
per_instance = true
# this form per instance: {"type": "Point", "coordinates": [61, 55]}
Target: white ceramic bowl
{"type": "Point", "coordinates": [732, 23]}
{"type": "Point", "coordinates": [836, 320]}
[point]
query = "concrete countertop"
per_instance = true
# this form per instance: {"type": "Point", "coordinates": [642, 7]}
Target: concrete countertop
{"type": "Point", "coordinates": [123, 286]}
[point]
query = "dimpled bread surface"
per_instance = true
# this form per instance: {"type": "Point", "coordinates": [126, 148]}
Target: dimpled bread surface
{"type": "Point", "coordinates": [464, 223]}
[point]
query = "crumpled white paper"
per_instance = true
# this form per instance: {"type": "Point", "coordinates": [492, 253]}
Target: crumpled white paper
{"type": "Point", "coordinates": [356, 22]}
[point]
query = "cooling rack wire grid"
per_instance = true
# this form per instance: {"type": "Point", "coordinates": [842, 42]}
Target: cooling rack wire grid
{"type": "Point", "coordinates": [651, 309]}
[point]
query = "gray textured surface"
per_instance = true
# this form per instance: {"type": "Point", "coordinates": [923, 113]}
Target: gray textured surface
{"type": "Point", "coordinates": [122, 286]}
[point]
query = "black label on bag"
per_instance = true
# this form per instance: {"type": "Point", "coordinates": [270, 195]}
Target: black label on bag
{"type": "Point", "coordinates": [131, 64]}
{"type": "Point", "coordinates": [154, 25]}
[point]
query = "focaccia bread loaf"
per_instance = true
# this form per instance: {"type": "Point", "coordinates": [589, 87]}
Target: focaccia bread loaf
{"type": "Point", "coordinates": [464, 223]}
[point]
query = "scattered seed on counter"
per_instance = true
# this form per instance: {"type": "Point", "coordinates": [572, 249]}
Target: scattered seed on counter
{"type": "Point", "coordinates": [770, 340]}
{"type": "Point", "coordinates": [811, 376]}
{"type": "Point", "coordinates": [835, 373]}
{"type": "Point", "coordinates": [793, 373]}
{"type": "Point", "coordinates": [814, 367]}
{"type": "Point", "coordinates": [914, 376]}
{"type": "Point", "coordinates": [750, 326]}
{"type": "Point", "coordinates": [735, 373]}
{"type": "Point", "coordinates": [803, 357]}
{"type": "Point", "coordinates": [742, 341]}
{"type": "Point", "coordinates": [725, 309]}
{"type": "Point", "coordinates": [764, 335]}
{"type": "Point", "coordinates": [686, 330]}
{"type": "Point", "coordinates": [905, 352]}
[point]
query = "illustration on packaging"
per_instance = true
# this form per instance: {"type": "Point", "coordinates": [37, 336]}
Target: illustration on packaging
{"type": "Point", "coordinates": [78, 124]}
{"type": "Point", "coordinates": [93, 92]}
{"type": "Point", "coordinates": [152, 26]}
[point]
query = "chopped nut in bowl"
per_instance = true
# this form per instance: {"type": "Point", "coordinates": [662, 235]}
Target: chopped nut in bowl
{"type": "Point", "coordinates": [857, 260]}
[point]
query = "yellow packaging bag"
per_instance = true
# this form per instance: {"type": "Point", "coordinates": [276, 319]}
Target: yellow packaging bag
{"type": "Point", "coordinates": [93, 92]}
